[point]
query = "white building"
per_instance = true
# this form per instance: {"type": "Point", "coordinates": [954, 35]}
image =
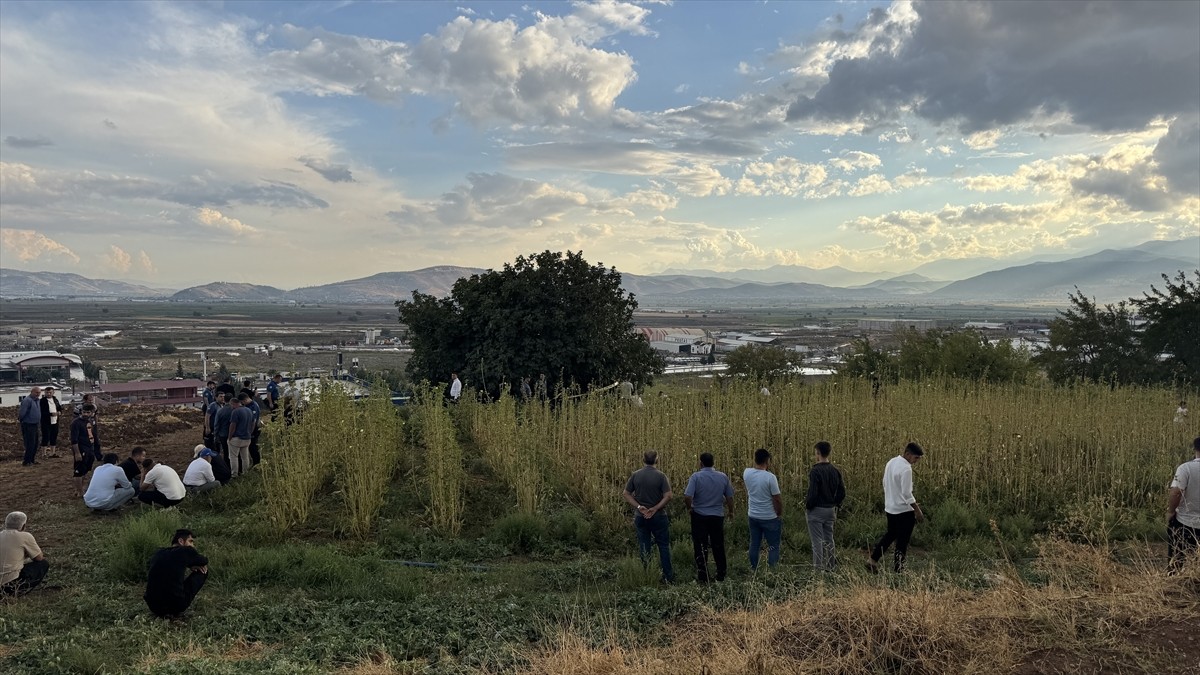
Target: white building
{"type": "Point", "coordinates": [13, 365]}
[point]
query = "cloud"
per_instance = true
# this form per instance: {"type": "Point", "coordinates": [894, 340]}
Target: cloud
{"type": "Point", "coordinates": [853, 160]}
{"type": "Point", "coordinates": [334, 173]}
{"type": "Point", "coordinates": [216, 220]}
{"type": "Point", "coordinates": [985, 65]}
{"type": "Point", "coordinates": [117, 259]}
{"type": "Point", "coordinates": [1177, 155]}
{"type": "Point", "coordinates": [19, 142]}
{"type": "Point", "coordinates": [28, 245]}
{"type": "Point", "coordinates": [490, 200]}
{"type": "Point", "coordinates": [146, 264]}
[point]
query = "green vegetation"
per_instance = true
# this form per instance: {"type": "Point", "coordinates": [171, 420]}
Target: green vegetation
{"type": "Point", "coordinates": [166, 347]}
{"type": "Point", "coordinates": [763, 363]}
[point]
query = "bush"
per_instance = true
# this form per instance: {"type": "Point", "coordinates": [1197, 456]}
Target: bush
{"type": "Point", "coordinates": [572, 528]}
{"type": "Point", "coordinates": [520, 532]}
{"type": "Point", "coordinates": [952, 518]}
{"type": "Point", "coordinates": [136, 539]}
{"type": "Point", "coordinates": [166, 347]}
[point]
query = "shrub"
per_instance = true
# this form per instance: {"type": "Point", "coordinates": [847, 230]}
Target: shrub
{"type": "Point", "coordinates": [520, 532]}
{"type": "Point", "coordinates": [571, 527]}
{"type": "Point", "coordinates": [136, 539]}
{"type": "Point", "coordinates": [166, 347]}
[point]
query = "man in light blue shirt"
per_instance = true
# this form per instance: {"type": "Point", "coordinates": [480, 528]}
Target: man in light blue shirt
{"type": "Point", "coordinates": [110, 488]}
{"type": "Point", "coordinates": [765, 508]}
{"type": "Point", "coordinates": [708, 495]}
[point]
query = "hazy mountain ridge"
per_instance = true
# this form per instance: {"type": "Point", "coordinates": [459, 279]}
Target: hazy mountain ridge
{"type": "Point", "coordinates": [22, 284]}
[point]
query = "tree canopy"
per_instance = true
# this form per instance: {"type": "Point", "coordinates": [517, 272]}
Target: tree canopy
{"type": "Point", "coordinates": [763, 363]}
{"type": "Point", "coordinates": [966, 354]}
{"type": "Point", "coordinates": [550, 313]}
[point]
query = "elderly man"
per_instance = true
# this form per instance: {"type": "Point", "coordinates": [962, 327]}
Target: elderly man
{"type": "Point", "coordinates": [30, 416]}
{"type": "Point", "coordinates": [22, 564]}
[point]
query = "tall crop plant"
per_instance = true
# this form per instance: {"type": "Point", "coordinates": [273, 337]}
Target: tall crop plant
{"type": "Point", "coordinates": [369, 458]}
{"type": "Point", "coordinates": [443, 461]}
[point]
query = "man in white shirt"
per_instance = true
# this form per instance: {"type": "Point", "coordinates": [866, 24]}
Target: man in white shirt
{"type": "Point", "coordinates": [765, 508]}
{"type": "Point", "coordinates": [455, 387]}
{"type": "Point", "coordinates": [199, 476]}
{"type": "Point", "coordinates": [22, 564]}
{"type": "Point", "coordinates": [110, 488]}
{"type": "Point", "coordinates": [1183, 511]}
{"type": "Point", "coordinates": [901, 507]}
{"type": "Point", "coordinates": [160, 485]}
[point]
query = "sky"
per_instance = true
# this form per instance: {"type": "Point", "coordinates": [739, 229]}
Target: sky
{"type": "Point", "coordinates": [295, 144]}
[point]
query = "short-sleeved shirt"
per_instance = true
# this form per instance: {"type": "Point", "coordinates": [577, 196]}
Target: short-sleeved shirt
{"type": "Point", "coordinates": [648, 485]}
{"type": "Point", "coordinates": [272, 392]}
{"type": "Point", "coordinates": [242, 420]}
{"type": "Point", "coordinates": [1187, 480]}
{"type": "Point", "coordinates": [708, 489]}
{"type": "Point", "coordinates": [211, 412]}
{"type": "Point", "coordinates": [131, 468]}
{"type": "Point", "coordinates": [16, 547]}
{"type": "Point", "coordinates": [83, 433]}
{"type": "Point", "coordinates": [221, 422]}
{"type": "Point", "coordinates": [761, 485]}
{"type": "Point", "coordinates": [165, 480]}
{"type": "Point", "coordinates": [168, 570]}
{"type": "Point", "coordinates": [210, 396]}
{"type": "Point", "coordinates": [198, 473]}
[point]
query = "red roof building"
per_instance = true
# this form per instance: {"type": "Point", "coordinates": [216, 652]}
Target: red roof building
{"type": "Point", "coordinates": [155, 392]}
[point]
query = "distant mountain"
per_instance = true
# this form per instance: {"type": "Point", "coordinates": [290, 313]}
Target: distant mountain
{"type": "Point", "coordinates": [958, 268]}
{"type": "Point", "coordinates": [671, 284]}
{"type": "Point", "coordinates": [1184, 249]}
{"type": "Point", "coordinates": [905, 284]}
{"type": "Point", "coordinates": [386, 286]}
{"type": "Point", "coordinates": [1108, 275]}
{"type": "Point", "coordinates": [781, 292]}
{"type": "Point", "coordinates": [827, 276]}
{"type": "Point", "coordinates": [21, 284]}
{"type": "Point", "coordinates": [225, 290]}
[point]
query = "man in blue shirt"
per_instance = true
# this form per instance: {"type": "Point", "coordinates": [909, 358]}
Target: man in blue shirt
{"type": "Point", "coordinates": [709, 496]}
{"type": "Point", "coordinates": [210, 393]}
{"type": "Point", "coordinates": [30, 416]}
{"type": "Point", "coordinates": [273, 391]}
{"type": "Point", "coordinates": [241, 426]}
{"type": "Point", "coordinates": [252, 404]}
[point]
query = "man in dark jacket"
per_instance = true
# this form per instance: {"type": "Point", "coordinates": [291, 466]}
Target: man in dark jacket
{"type": "Point", "coordinates": [176, 575]}
{"type": "Point", "coordinates": [30, 417]}
{"type": "Point", "coordinates": [85, 438]}
{"type": "Point", "coordinates": [52, 411]}
{"type": "Point", "coordinates": [826, 492]}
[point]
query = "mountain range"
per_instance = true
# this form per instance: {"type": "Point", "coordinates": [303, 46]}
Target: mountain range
{"type": "Point", "coordinates": [1108, 275]}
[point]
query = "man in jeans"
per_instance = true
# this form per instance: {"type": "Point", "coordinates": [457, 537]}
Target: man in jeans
{"type": "Point", "coordinates": [708, 496]}
{"type": "Point", "coordinates": [241, 428]}
{"type": "Point", "coordinates": [30, 417]}
{"type": "Point", "coordinates": [1183, 511]}
{"type": "Point", "coordinates": [903, 511]}
{"type": "Point", "coordinates": [826, 492]}
{"type": "Point", "coordinates": [765, 508]}
{"type": "Point", "coordinates": [648, 491]}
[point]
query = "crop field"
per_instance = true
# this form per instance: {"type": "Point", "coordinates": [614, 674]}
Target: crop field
{"type": "Point", "coordinates": [491, 537]}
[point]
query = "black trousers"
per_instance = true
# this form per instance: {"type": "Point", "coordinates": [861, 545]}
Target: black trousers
{"type": "Point", "coordinates": [708, 534]}
{"type": "Point", "coordinates": [1181, 540]}
{"type": "Point", "coordinates": [899, 531]}
{"type": "Point", "coordinates": [31, 575]}
{"type": "Point", "coordinates": [49, 435]}
{"type": "Point", "coordinates": [174, 605]}
{"type": "Point", "coordinates": [29, 434]}
{"type": "Point", "coordinates": [156, 497]}
{"type": "Point", "coordinates": [255, 458]}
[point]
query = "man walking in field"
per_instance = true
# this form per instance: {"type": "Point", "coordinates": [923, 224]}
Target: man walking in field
{"type": "Point", "coordinates": [455, 387]}
{"type": "Point", "coordinates": [30, 417]}
{"type": "Point", "coordinates": [901, 507]}
{"type": "Point", "coordinates": [764, 509]}
{"type": "Point", "coordinates": [648, 492]}
{"type": "Point", "coordinates": [709, 496]}
{"type": "Point", "coordinates": [1183, 511]}
{"type": "Point", "coordinates": [826, 492]}
{"type": "Point", "coordinates": [177, 574]}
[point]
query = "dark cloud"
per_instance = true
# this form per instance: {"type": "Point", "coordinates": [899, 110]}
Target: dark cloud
{"type": "Point", "coordinates": [19, 142]}
{"type": "Point", "coordinates": [981, 65]}
{"type": "Point", "coordinates": [334, 173]}
{"type": "Point", "coordinates": [110, 124]}
{"type": "Point", "coordinates": [1178, 154]}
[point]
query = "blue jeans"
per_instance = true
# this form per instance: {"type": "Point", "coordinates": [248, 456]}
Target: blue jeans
{"type": "Point", "coordinates": [659, 529]}
{"type": "Point", "coordinates": [771, 529]}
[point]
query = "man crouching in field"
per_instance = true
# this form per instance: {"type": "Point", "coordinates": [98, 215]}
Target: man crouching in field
{"type": "Point", "coordinates": [1183, 511]}
{"type": "Point", "coordinates": [170, 589]}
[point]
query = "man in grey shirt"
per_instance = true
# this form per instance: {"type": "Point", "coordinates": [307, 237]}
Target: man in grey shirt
{"type": "Point", "coordinates": [648, 491]}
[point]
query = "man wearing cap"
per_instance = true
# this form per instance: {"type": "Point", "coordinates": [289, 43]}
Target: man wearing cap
{"type": "Point", "coordinates": [22, 564]}
{"type": "Point", "coordinates": [51, 408]}
{"type": "Point", "coordinates": [219, 466]}
{"type": "Point", "coordinates": [199, 477]}
{"type": "Point", "coordinates": [30, 416]}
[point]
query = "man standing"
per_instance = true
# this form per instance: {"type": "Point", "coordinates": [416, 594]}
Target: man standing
{"type": "Point", "coordinates": [84, 441]}
{"type": "Point", "coordinates": [160, 485]}
{"type": "Point", "coordinates": [30, 416]}
{"type": "Point", "coordinates": [765, 508]}
{"type": "Point", "coordinates": [902, 510]}
{"type": "Point", "coordinates": [50, 408]}
{"type": "Point", "coordinates": [273, 393]}
{"type": "Point", "coordinates": [455, 387]}
{"type": "Point", "coordinates": [648, 491]}
{"type": "Point", "coordinates": [709, 496]}
{"type": "Point", "coordinates": [170, 588]}
{"type": "Point", "coordinates": [226, 387]}
{"type": "Point", "coordinates": [22, 564]}
{"type": "Point", "coordinates": [1183, 511]}
{"type": "Point", "coordinates": [210, 393]}
{"type": "Point", "coordinates": [250, 402]}
{"type": "Point", "coordinates": [526, 390]}
{"type": "Point", "coordinates": [109, 489]}
{"type": "Point", "coordinates": [826, 492]}
{"type": "Point", "coordinates": [241, 426]}
{"type": "Point", "coordinates": [221, 426]}
{"type": "Point", "coordinates": [199, 477]}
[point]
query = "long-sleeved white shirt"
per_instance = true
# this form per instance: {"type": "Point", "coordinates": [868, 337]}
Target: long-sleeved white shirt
{"type": "Point", "coordinates": [198, 473]}
{"type": "Point", "coordinates": [456, 389]}
{"type": "Point", "coordinates": [105, 481]}
{"type": "Point", "coordinates": [897, 486]}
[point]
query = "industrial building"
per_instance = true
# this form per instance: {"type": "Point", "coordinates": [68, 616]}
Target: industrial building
{"type": "Point", "coordinates": [15, 365]}
{"type": "Point", "coordinates": [892, 325]}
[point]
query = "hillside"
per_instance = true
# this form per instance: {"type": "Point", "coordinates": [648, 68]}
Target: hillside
{"type": "Point", "coordinates": [21, 284]}
{"type": "Point", "coordinates": [225, 290]}
{"type": "Point", "coordinates": [386, 286]}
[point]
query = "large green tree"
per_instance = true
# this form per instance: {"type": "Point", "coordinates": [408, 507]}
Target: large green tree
{"type": "Point", "coordinates": [1171, 334]}
{"type": "Point", "coordinates": [763, 363]}
{"type": "Point", "coordinates": [1089, 341]}
{"type": "Point", "coordinates": [550, 313]}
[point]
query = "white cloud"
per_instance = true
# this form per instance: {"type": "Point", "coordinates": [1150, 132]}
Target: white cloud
{"type": "Point", "coordinates": [983, 140]}
{"type": "Point", "coordinates": [216, 220]}
{"type": "Point", "coordinates": [28, 246]}
{"type": "Point", "coordinates": [118, 260]}
{"type": "Point", "coordinates": [853, 160]}
{"type": "Point", "coordinates": [146, 264]}
{"type": "Point", "coordinates": [870, 185]}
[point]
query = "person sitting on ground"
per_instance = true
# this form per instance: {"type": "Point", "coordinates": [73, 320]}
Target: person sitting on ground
{"type": "Point", "coordinates": [109, 489]}
{"type": "Point", "coordinates": [170, 588]}
{"type": "Point", "coordinates": [220, 468]}
{"type": "Point", "coordinates": [199, 478]}
{"type": "Point", "coordinates": [160, 485]}
{"type": "Point", "coordinates": [22, 563]}
{"type": "Point", "coordinates": [132, 466]}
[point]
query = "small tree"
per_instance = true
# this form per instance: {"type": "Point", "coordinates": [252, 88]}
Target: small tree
{"type": "Point", "coordinates": [764, 363]}
{"type": "Point", "coordinates": [223, 332]}
{"type": "Point", "coordinates": [166, 347]}
{"type": "Point", "coordinates": [179, 368]}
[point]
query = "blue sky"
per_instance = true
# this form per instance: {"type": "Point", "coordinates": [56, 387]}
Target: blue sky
{"type": "Point", "coordinates": [301, 143]}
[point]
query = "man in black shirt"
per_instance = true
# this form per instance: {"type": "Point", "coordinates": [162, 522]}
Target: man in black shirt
{"type": "Point", "coordinates": [85, 439]}
{"type": "Point", "coordinates": [226, 387]}
{"type": "Point", "coordinates": [170, 588]}
{"type": "Point", "coordinates": [132, 466]}
{"type": "Point", "coordinates": [826, 492]}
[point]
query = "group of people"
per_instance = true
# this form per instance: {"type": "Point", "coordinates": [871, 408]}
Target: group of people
{"type": "Point", "coordinates": [709, 500]}
{"type": "Point", "coordinates": [152, 482]}
{"type": "Point", "coordinates": [233, 420]}
{"type": "Point", "coordinates": [176, 573]}
{"type": "Point", "coordinates": [39, 415]}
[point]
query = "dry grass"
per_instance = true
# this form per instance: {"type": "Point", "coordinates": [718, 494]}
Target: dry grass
{"type": "Point", "coordinates": [1088, 605]}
